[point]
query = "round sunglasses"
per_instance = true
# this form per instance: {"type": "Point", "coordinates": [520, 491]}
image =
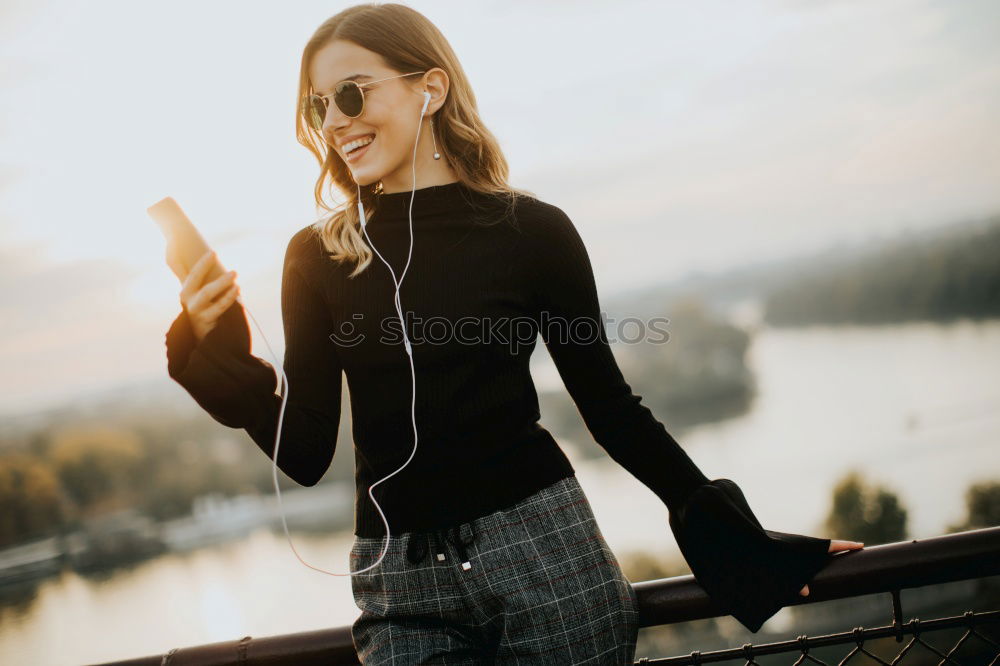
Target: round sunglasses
{"type": "Point", "coordinates": [349, 96]}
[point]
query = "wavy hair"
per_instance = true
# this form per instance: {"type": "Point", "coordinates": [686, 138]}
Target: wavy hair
{"type": "Point", "coordinates": [407, 41]}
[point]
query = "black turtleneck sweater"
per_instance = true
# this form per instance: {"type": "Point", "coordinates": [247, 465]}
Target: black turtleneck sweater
{"type": "Point", "coordinates": [486, 277]}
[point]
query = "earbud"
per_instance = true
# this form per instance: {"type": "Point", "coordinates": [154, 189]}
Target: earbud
{"type": "Point", "coordinates": [427, 100]}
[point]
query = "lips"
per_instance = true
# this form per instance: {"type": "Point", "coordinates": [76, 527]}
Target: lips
{"type": "Point", "coordinates": [356, 154]}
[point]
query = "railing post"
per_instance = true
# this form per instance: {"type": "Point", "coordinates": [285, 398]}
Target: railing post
{"type": "Point", "coordinates": [897, 615]}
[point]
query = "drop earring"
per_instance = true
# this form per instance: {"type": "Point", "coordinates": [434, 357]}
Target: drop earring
{"type": "Point", "coordinates": [437, 155]}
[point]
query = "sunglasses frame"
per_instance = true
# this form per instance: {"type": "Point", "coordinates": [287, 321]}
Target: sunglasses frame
{"type": "Point", "coordinates": [307, 100]}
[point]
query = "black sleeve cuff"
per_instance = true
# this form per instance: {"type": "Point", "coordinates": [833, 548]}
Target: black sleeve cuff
{"type": "Point", "coordinates": [231, 335]}
{"type": "Point", "coordinates": [749, 572]}
{"type": "Point", "coordinates": [219, 372]}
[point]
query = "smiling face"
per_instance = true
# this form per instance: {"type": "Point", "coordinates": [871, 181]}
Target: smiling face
{"type": "Point", "coordinates": [391, 114]}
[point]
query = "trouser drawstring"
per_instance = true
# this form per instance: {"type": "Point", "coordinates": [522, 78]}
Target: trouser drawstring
{"type": "Point", "coordinates": [418, 543]}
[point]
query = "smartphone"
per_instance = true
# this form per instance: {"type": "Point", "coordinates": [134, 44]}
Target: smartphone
{"type": "Point", "coordinates": [185, 246]}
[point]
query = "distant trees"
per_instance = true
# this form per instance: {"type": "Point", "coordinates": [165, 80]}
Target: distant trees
{"type": "Point", "coordinates": [865, 512]}
{"type": "Point", "coordinates": [950, 275]}
{"type": "Point", "coordinates": [982, 502]}
{"type": "Point", "coordinates": [862, 511]}
{"type": "Point", "coordinates": [98, 467]}
{"type": "Point", "coordinates": [31, 499]}
{"type": "Point", "coordinates": [54, 479]}
{"type": "Point", "coordinates": [700, 373]}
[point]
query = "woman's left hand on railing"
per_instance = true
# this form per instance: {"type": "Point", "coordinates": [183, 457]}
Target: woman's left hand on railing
{"type": "Point", "coordinates": [836, 546]}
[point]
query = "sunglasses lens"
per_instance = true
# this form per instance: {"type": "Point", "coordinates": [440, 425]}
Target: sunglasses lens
{"type": "Point", "coordinates": [313, 108]}
{"type": "Point", "coordinates": [349, 99]}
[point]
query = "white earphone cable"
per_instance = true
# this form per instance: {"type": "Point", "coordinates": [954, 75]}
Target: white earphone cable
{"type": "Point", "coordinates": [409, 352]}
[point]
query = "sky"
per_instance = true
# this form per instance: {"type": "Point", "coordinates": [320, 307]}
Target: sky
{"type": "Point", "coordinates": [678, 136]}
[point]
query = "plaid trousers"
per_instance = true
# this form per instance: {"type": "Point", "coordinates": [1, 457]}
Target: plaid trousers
{"type": "Point", "coordinates": [533, 583]}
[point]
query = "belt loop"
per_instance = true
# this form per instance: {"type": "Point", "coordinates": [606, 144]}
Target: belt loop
{"type": "Point", "coordinates": [461, 543]}
{"type": "Point", "coordinates": [440, 545]}
{"type": "Point", "coordinates": [416, 547]}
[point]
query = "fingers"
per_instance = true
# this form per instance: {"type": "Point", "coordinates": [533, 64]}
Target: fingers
{"type": "Point", "coordinates": [837, 545]}
{"type": "Point", "coordinates": [192, 283]}
{"type": "Point", "coordinates": [218, 286]}
{"type": "Point", "coordinates": [222, 303]}
{"type": "Point", "coordinates": [211, 291]}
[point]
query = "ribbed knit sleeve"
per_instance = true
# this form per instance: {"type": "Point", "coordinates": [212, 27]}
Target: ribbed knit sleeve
{"type": "Point", "coordinates": [238, 389]}
{"type": "Point", "coordinates": [749, 572]}
{"type": "Point", "coordinates": [565, 296]}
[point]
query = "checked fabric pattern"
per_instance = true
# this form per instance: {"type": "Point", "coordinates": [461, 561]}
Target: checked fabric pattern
{"type": "Point", "coordinates": [543, 587]}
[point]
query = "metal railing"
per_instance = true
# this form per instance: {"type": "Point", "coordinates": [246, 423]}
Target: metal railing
{"type": "Point", "coordinates": [888, 568]}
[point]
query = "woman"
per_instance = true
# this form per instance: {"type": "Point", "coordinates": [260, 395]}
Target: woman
{"type": "Point", "coordinates": [493, 549]}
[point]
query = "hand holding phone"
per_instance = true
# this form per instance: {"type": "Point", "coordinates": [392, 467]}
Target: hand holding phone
{"type": "Point", "coordinates": [206, 301]}
{"type": "Point", "coordinates": [207, 289]}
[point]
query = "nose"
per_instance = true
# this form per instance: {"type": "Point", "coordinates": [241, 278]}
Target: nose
{"type": "Point", "coordinates": [333, 122]}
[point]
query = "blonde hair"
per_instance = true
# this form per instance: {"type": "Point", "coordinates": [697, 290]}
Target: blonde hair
{"type": "Point", "coordinates": [407, 42]}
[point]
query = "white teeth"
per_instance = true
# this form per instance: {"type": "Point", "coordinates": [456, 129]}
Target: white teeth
{"type": "Point", "coordinates": [357, 143]}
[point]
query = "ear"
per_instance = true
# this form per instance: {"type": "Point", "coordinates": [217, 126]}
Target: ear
{"type": "Point", "coordinates": [435, 82]}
